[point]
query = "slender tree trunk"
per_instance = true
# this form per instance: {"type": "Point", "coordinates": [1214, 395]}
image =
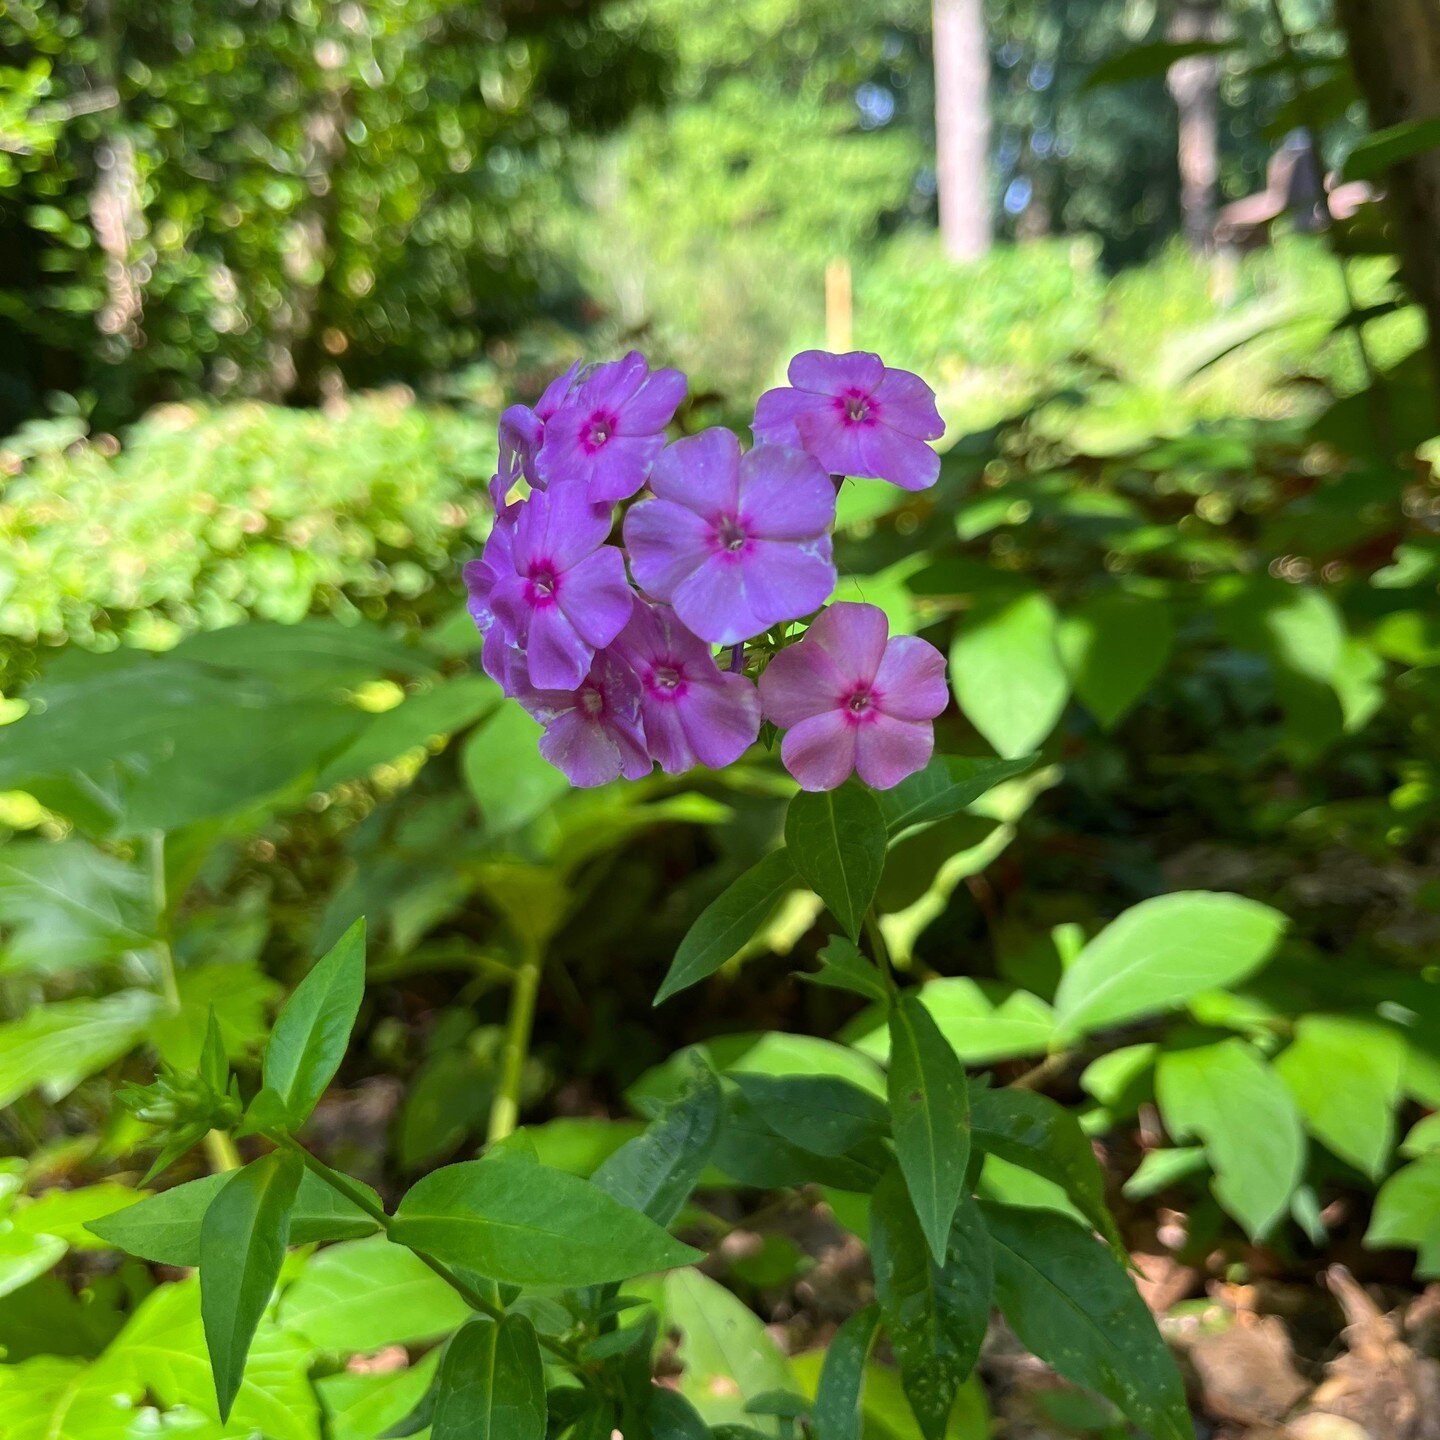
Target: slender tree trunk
{"type": "Point", "coordinates": [1195, 84]}
{"type": "Point", "coordinates": [1395, 49]}
{"type": "Point", "coordinates": [962, 127]}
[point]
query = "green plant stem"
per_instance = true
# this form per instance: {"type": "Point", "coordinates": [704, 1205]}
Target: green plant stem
{"type": "Point", "coordinates": [221, 1152]}
{"type": "Point", "coordinates": [155, 854]}
{"type": "Point", "coordinates": [880, 951]}
{"type": "Point", "coordinates": [357, 1196]}
{"type": "Point", "coordinates": [505, 1110]}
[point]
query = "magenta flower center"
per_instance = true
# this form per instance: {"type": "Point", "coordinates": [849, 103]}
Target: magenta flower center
{"type": "Point", "coordinates": [731, 534]}
{"type": "Point", "coordinates": [857, 408]}
{"type": "Point", "coordinates": [542, 584]}
{"type": "Point", "coordinates": [666, 680]}
{"type": "Point", "coordinates": [861, 705]}
{"type": "Point", "coordinates": [598, 429]}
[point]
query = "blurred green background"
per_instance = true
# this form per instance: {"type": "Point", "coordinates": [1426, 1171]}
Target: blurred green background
{"type": "Point", "coordinates": [268, 273]}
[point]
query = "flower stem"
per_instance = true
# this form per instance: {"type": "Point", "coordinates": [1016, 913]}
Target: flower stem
{"type": "Point", "coordinates": [506, 1107]}
{"type": "Point", "coordinates": [880, 951]}
{"type": "Point", "coordinates": [221, 1152]}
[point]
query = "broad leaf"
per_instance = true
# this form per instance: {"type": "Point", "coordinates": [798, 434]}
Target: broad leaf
{"type": "Point", "coordinates": [242, 1245]}
{"type": "Point", "coordinates": [1228, 1096]}
{"type": "Point", "coordinates": [1071, 1304]}
{"type": "Point", "coordinates": [165, 1228]}
{"type": "Point", "coordinates": [1032, 1131]}
{"type": "Point", "coordinates": [491, 1384]}
{"type": "Point", "coordinates": [728, 922]}
{"type": "Point", "coordinates": [655, 1172]}
{"type": "Point", "coordinates": [51, 1398]}
{"type": "Point", "coordinates": [311, 1032]}
{"type": "Point", "coordinates": [364, 1407]}
{"type": "Point", "coordinates": [943, 789]}
{"type": "Point", "coordinates": [511, 781]}
{"type": "Point", "coordinates": [935, 1313]}
{"type": "Point", "coordinates": [1006, 672]}
{"type": "Point", "coordinates": [24, 1255]}
{"type": "Point", "coordinates": [818, 1113]}
{"type": "Point", "coordinates": [837, 1408]}
{"type": "Point", "coordinates": [1161, 952]}
{"type": "Point", "coordinates": [1113, 647]}
{"type": "Point", "coordinates": [837, 839]}
{"type": "Point", "coordinates": [930, 1115]}
{"type": "Point", "coordinates": [1407, 1214]}
{"type": "Point", "coordinates": [519, 1222]}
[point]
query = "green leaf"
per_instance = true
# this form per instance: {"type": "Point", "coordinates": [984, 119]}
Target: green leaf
{"type": "Point", "coordinates": [311, 1032]}
{"type": "Point", "coordinates": [935, 1313]}
{"type": "Point", "coordinates": [845, 968]}
{"type": "Point", "coordinates": [1161, 952]}
{"type": "Point", "coordinates": [818, 1113]}
{"type": "Point", "coordinates": [68, 1214]}
{"type": "Point", "coordinates": [944, 788]}
{"type": "Point", "coordinates": [930, 1115]}
{"type": "Point", "coordinates": [728, 1356]}
{"type": "Point", "coordinates": [728, 921]}
{"type": "Point", "coordinates": [1147, 62]}
{"type": "Point", "coordinates": [1394, 145]}
{"type": "Point", "coordinates": [750, 1152]}
{"type": "Point", "coordinates": [1161, 1169]}
{"type": "Point", "coordinates": [836, 840]}
{"type": "Point", "coordinates": [1007, 675]}
{"type": "Point", "coordinates": [55, 1047]}
{"type": "Point", "coordinates": [365, 1407]}
{"type": "Point", "coordinates": [238, 994]}
{"type": "Point", "coordinates": [672, 1417]}
{"type": "Point", "coordinates": [24, 1255]}
{"type": "Point", "coordinates": [1240, 1109]}
{"type": "Point", "coordinates": [1071, 1304]}
{"type": "Point", "coordinates": [656, 1171]}
{"type": "Point", "coordinates": [491, 1384]}
{"type": "Point", "coordinates": [1113, 647]}
{"type": "Point", "coordinates": [1407, 1214]}
{"type": "Point", "coordinates": [242, 1245]}
{"type": "Point", "coordinates": [1032, 1131]}
{"type": "Point", "coordinates": [368, 1294]}
{"type": "Point", "coordinates": [165, 1228]}
{"type": "Point", "coordinates": [509, 778]}
{"type": "Point", "coordinates": [838, 1398]}
{"type": "Point", "coordinates": [49, 1398]}
{"type": "Point", "coordinates": [520, 1222]}
{"type": "Point", "coordinates": [1345, 1075]}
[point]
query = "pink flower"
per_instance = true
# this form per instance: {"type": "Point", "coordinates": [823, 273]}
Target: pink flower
{"type": "Point", "coordinates": [736, 544]}
{"type": "Point", "coordinates": [592, 732]}
{"type": "Point", "coordinates": [694, 713]}
{"type": "Point", "coordinates": [606, 432]}
{"type": "Point", "coordinates": [850, 699]}
{"type": "Point", "coordinates": [856, 417]}
{"type": "Point", "coordinates": [522, 431]}
{"type": "Point", "coordinates": [561, 593]}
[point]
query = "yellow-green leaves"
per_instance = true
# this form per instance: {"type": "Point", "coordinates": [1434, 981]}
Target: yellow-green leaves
{"type": "Point", "coordinates": [491, 1384]}
{"type": "Point", "coordinates": [930, 1114]}
{"type": "Point", "coordinates": [522, 1223]}
{"type": "Point", "coordinates": [242, 1244]}
{"type": "Point", "coordinates": [311, 1033]}
{"type": "Point", "coordinates": [836, 840]}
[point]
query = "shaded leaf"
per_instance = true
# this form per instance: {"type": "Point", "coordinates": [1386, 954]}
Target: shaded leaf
{"type": "Point", "coordinates": [836, 840]}
{"type": "Point", "coordinates": [491, 1384]}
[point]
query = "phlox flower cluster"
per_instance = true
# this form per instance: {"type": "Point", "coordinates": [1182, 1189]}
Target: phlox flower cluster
{"type": "Point", "coordinates": [672, 646]}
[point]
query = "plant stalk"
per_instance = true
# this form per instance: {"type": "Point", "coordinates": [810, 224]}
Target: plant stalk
{"type": "Point", "coordinates": [505, 1110]}
{"type": "Point", "coordinates": [880, 952]}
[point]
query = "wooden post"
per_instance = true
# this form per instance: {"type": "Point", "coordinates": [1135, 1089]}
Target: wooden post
{"type": "Point", "coordinates": [839, 314]}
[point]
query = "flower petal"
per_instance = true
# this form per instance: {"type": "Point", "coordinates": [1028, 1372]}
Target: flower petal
{"type": "Point", "coordinates": [667, 543]}
{"type": "Point", "coordinates": [786, 579]}
{"type": "Point", "coordinates": [777, 411]}
{"type": "Point", "coordinates": [700, 472]}
{"type": "Point", "coordinates": [853, 637]}
{"type": "Point", "coordinates": [654, 404]}
{"type": "Point", "coordinates": [887, 750]}
{"type": "Point", "coordinates": [799, 682]}
{"type": "Point", "coordinates": [910, 683]}
{"type": "Point", "coordinates": [619, 467]}
{"type": "Point", "coordinates": [888, 454]}
{"type": "Point", "coordinates": [835, 442]}
{"type": "Point", "coordinates": [908, 405]}
{"type": "Point", "coordinates": [712, 601]}
{"type": "Point", "coordinates": [828, 374]}
{"type": "Point", "coordinates": [820, 752]}
{"type": "Point", "coordinates": [587, 753]}
{"type": "Point", "coordinates": [720, 719]}
{"type": "Point", "coordinates": [785, 494]}
{"type": "Point", "coordinates": [610, 385]}
{"type": "Point", "coordinates": [595, 596]}
{"type": "Point", "coordinates": [556, 655]}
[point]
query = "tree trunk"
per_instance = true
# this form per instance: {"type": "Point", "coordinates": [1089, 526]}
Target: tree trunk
{"type": "Point", "coordinates": [962, 127]}
{"type": "Point", "coordinates": [1195, 84]}
{"type": "Point", "coordinates": [1395, 49]}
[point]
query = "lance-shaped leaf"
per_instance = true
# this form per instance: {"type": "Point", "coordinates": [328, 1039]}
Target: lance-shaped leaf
{"type": "Point", "coordinates": [1032, 1131]}
{"type": "Point", "coordinates": [845, 968]}
{"type": "Point", "coordinates": [1071, 1304]}
{"type": "Point", "coordinates": [819, 1113]}
{"type": "Point", "coordinates": [728, 921]}
{"type": "Point", "coordinates": [311, 1032]}
{"type": "Point", "coordinates": [943, 789]}
{"type": "Point", "coordinates": [242, 1245]}
{"type": "Point", "coordinates": [836, 839]}
{"type": "Point", "coordinates": [165, 1228]}
{"type": "Point", "coordinates": [842, 1376]}
{"type": "Point", "coordinates": [655, 1172]}
{"type": "Point", "coordinates": [491, 1384]}
{"type": "Point", "coordinates": [930, 1115]}
{"type": "Point", "coordinates": [525, 1224]}
{"type": "Point", "coordinates": [935, 1314]}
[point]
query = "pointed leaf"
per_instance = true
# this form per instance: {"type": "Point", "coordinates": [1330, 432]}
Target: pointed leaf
{"type": "Point", "coordinates": [935, 1314]}
{"type": "Point", "coordinates": [930, 1114]}
{"type": "Point", "coordinates": [943, 789]}
{"type": "Point", "coordinates": [1114, 646]}
{"type": "Point", "coordinates": [522, 1223]}
{"type": "Point", "coordinates": [242, 1245]}
{"type": "Point", "coordinates": [1071, 1304]}
{"type": "Point", "coordinates": [842, 1376]}
{"type": "Point", "coordinates": [847, 969]}
{"type": "Point", "coordinates": [819, 1113]}
{"type": "Point", "coordinates": [491, 1384]}
{"type": "Point", "coordinates": [836, 839]}
{"type": "Point", "coordinates": [312, 1031]}
{"type": "Point", "coordinates": [727, 922]}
